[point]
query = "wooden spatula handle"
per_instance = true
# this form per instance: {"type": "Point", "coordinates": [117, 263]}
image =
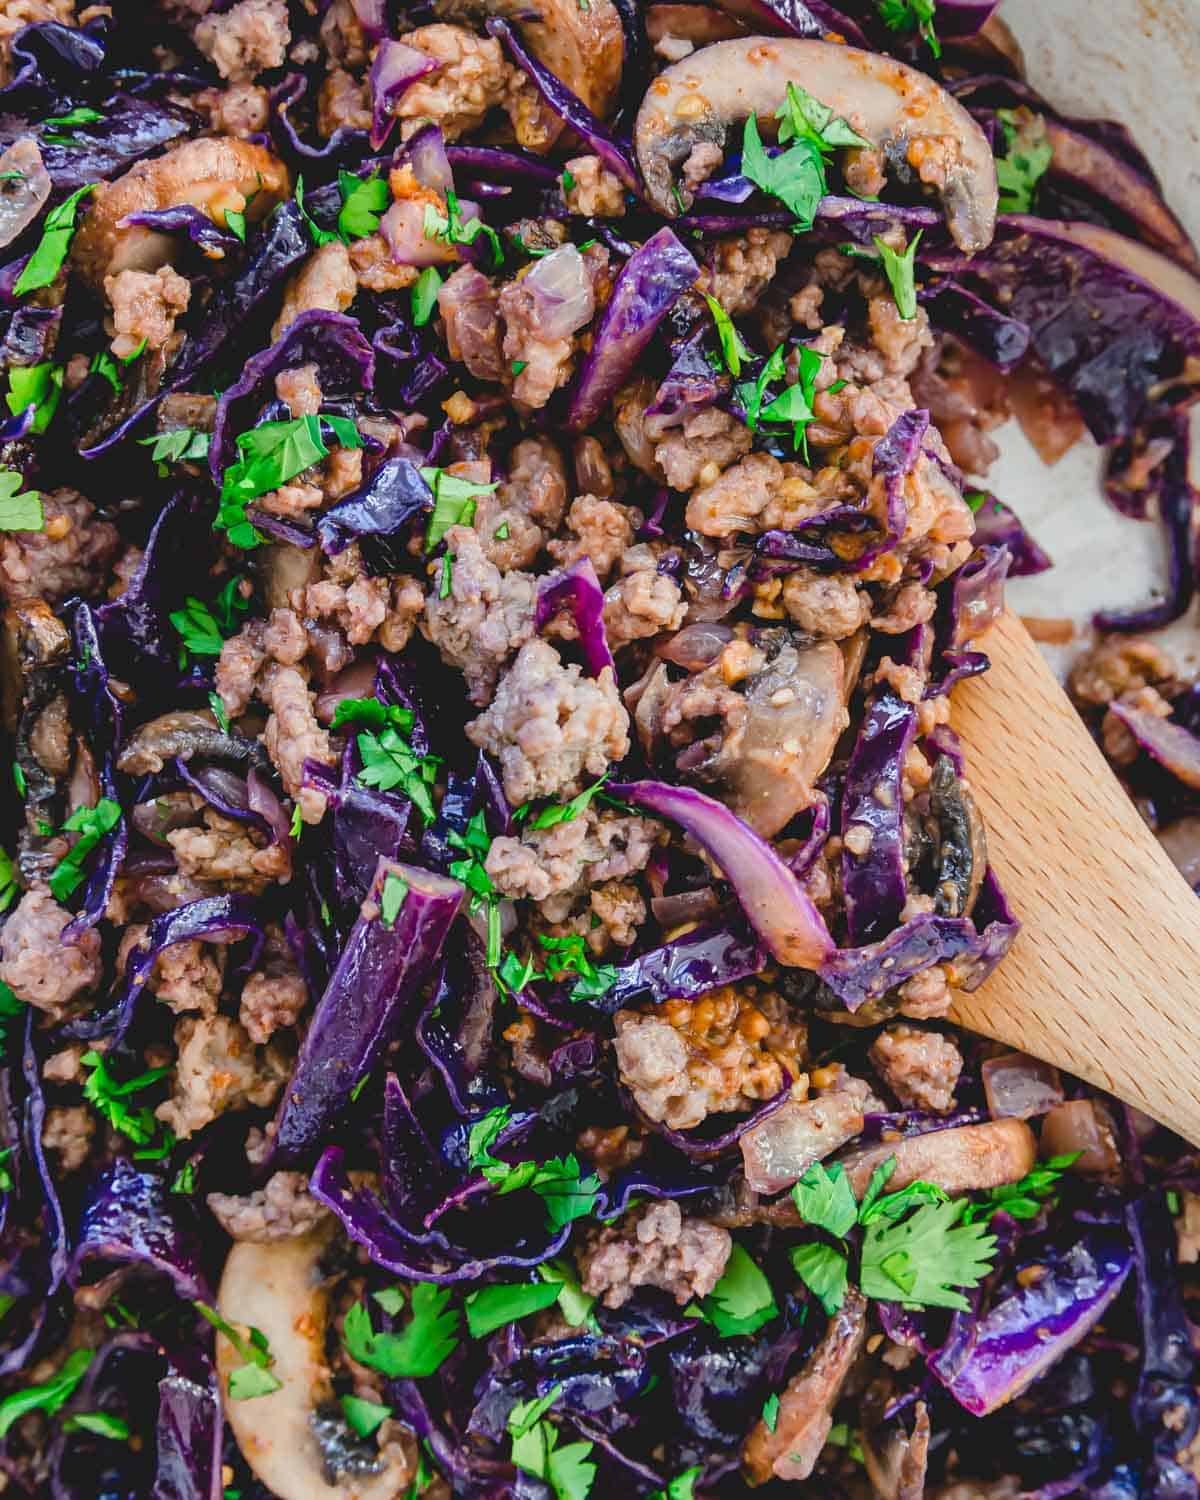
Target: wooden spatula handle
{"type": "Point", "coordinates": [1104, 979]}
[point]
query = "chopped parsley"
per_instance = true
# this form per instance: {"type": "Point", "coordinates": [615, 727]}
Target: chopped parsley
{"type": "Point", "coordinates": [19, 779]}
{"type": "Point", "coordinates": [46, 261]}
{"type": "Point", "coordinates": [445, 580]}
{"type": "Point", "coordinates": [39, 386]}
{"type": "Point", "coordinates": [108, 1097]}
{"type": "Point", "coordinates": [202, 630]}
{"type": "Point", "coordinates": [100, 1424]}
{"type": "Point", "coordinates": [254, 1377]}
{"type": "Point", "coordinates": [184, 1181]}
{"type": "Point", "coordinates": [391, 764]}
{"type": "Point", "coordinates": [92, 824]}
{"type": "Point", "coordinates": [424, 296]}
{"type": "Point", "coordinates": [218, 712]}
{"type": "Point", "coordinates": [269, 456]}
{"type": "Point", "coordinates": [474, 844]}
{"type": "Point", "coordinates": [453, 502]}
{"type": "Point", "coordinates": [912, 15]}
{"type": "Point", "coordinates": [535, 1449]}
{"type": "Point", "coordinates": [61, 131]}
{"type": "Point", "coordinates": [319, 236]}
{"type": "Point", "coordinates": [363, 201]}
{"type": "Point", "coordinates": [372, 714]}
{"type": "Point", "coordinates": [770, 1412]}
{"type": "Point", "coordinates": [493, 1306]}
{"type": "Point", "coordinates": [682, 1487]}
{"type": "Point", "coordinates": [568, 182]}
{"type": "Point", "coordinates": [501, 532]}
{"type": "Point", "coordinates": [391, 1299]}
{"type": "Point", "coordinates": [180, 445]}
{"type": "Point", "coordinates": [1027, 1198]}
{"type": "Point", "coordinates": [235, 222]}
{"type": "Point", "coordinates": [568, 957]}
{"type": "Point", "coordinates": [104, 365]}
{"type": "Point", "coordinates": [733, 348]}
{"type": "Point", "coordinates": [573, 1302]}
{"type": "Point", "coordinates": [794, 404]}
{"type": "Point", "coordinates": [427, 1340]}
{"type": "Point", "coordinates": [562, 812]}
{"type": "Point", "coordinates": [452, 229]}
{"type": "Point", "coordinates": [10, 1009]}
{"type": "Point", "coordinates": [19, 510]}
{"type": "Point", "coordinates": [1027, 157]}
{"type": "Point", "coordinates": [365, 1417]}
{"type": "Point", "coordinates": [566, 1194]}
{"type": "Point", "coordinates": [900, 270]}
{"type": "Point", "coordinates": [391, 899]}
{"type": "Point", "coordinates": [296, 826]}
{"type": "Point", "coordinates": [824, 1271]}
{"type": "Point", "coordinates": [796, 176]}
{"type": "Point", "coordinates": [8, 880]}
{"type": "Point", "coordinates": [518, 365]}
{"type": "Point", "coordinates": [742, 1301]}
{"type": "Point", "coordinates": [48, 1397]}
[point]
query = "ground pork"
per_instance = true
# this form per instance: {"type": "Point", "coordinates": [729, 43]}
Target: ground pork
{"type": "Point", "coordinates": [365, 607]}
{"type": "Point", "coordinates": [594, 191]}
{"type": "Point", "coordinates": [469, 304]}
{"type": "Point", "coordinates": [697, 452]}
{"type": "Point", "coordinates": [186, 976]}
{"type": "Point", "coordinates": [241, 660]}
{"type": "Point", "coordinates": [743, 266]}
{"type": "Point", "coordinates": [1187, 1229]}
{"type": "Point", "coordinates": [620, 910]}
{"type": "Point", "coordinates": [471, 78]}
{"type": "Point", "coordinates": [343, 102]}
{"type": "Point", "coordinates": [242, 109]}
{"type": "Point", "coordinates": [70, 555]}
{"type": "Point", "coordinates": [275, 994]}
{"type": "Point", "coordinates": [326, 280]}
{"type": "Point", "coordinates": [901, 341]}
{"type": "Point", "coordinates": [229, 852]}
{"type": "Point", "coordinates": [541, 355]}
{"type": "Point", "coordinates": [552, 866]}
{"type": "Point", "coordinates": [281, 1210]}
{"type": "Point", "coordinates": [50, 737]}
{"type": "Point", "coordinates": [549, 727]}
{"type": "Point", "coordinates": [642, 604]}
{"type": "Point", "coordinates": [68, 1133]}
{"type": "Point", "coordinates": [825, 605]}
{"type": "Point", "coordinates": [926, 996]}
{"type": "Point", "coordinates": [514, 521]}
{"type": "Point", "coordinates": [654, 1246]}
{"type": "Point", "coordinates": [734, 500]}
{"type": "Point", "coordinates": [600, 530]}
{"type": "Point", "coordinates": [64, 1066]}
{"type": "Point", "coordinates": [836, 1078]}
{"type": "Point", "coordinates": [248, 38]}
{"type": "Point", "coordinates": [912, 604]}
{"type": "Point", "coordinates": [38, 964]}
{"type": "Point", "coordinates": [920, 1067]}
{"type": "Point", "coordinates": [685, 1060]}
{"type": "Point", "coordinates": [484, 617]}
{"type": "Point", "coordinates": [215, 1070]}
{"type": "Point", "coordinates": [342, 35]}
{"type": "Point", "coordinates": [1118, 664]}
{"type": "Point", "coordinates": [145, 307]}
{"type": "Point", "coordinates": [293, 736]}
{"type": "Point", "coordinates": [301, 390]}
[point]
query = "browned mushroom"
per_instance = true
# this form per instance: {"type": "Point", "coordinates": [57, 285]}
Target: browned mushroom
{"type": "Point", "coordinates": [780, 1150]}
{"type": "Point", "coordinates": [961, 842]}
{"type": "Point", "coordinates": [184, 733]}
{"type": "Point", "coordinates": [701, 98]}
{"type": "Point", "coordinates": [967, 1159]}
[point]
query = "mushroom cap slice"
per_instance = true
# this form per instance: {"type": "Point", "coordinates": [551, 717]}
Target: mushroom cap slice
{"type": "Point", "coordinates": [278, 1288]}
{"type": "Point", "coordinates": [894, 106]}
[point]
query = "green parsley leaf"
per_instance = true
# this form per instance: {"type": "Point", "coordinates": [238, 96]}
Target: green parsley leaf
{"type": "Point", "coordinates": [824, 1271]}
{"type": "Point", "coordinates": [428, 1339]}
{"type": "Point", "coordinates": [19, 512]}
{"type": "Point", "coordinates": [249, 1381]}
{"type": "Point", "coordinates": [1027, 1198]}
{"type": "Point", "coordinates": [573, 1302]}
{"type": "Point", "coordinates": [493, 1306]}
{"type": "Point", "coordinates": [824, 1197]}
{"type": "Point", "coordinates": [10, 1007]}
{"type": "Point", "coordinates": [391, 1299]}
{"type": "Point", "coordinates": [1025, 162]}
{"type": "Point", "coordinates": [391, 899]}
{"type": "Point", "coordinates": [254, 1377]}
{"type": "Point", "coordinates": [92, 824]}
{"type": "Point", "coordinates": [535, 1450]}
{"type": "Point", "coordinates": [100, 1423]}
{"type": "Point", "coordinates": [444, 583]}
{"type": "Point", "coordinates": [566, 812]}
{"type": "Point", "coordinates": [235, 222]}
{"type": "Point", "coordinates": [452, 229]}
{"type": "Point", "coordinates": [82, 114]}
{"type": "Point", "coordinates": [795, 403]}
{"type": "Point", "coordinates": [107, 1095]}
{"type": "Point", "coordinates": [319, 236]}
{"type": "Point", "coordinates": [1174, 1203]}
{"type": "Point", "coordinates": [512, 975]}
{"type": "Point", "coordinates": [46, 261]}
{"type": "Point", "coordinates": [218, 711]}
{"type": "Point", "coordinates": [269, 456]}
{"type": "Point", "coordinates": [39, 386]}
{"type": "Point", "coordinates": [372, 714]}
{"type": "Point", "coordinates": [568, 181]}
{"type": "Point", "coordinates": [518, 365]}
{"type": "Point", "coordinates": [501, 532]}
{"type": "Point", "coordinates": [391, 764]}
{"type": "Point", "coordinates": [900, 271]}
{"type": "Point", "coordinates": [841, 1435]}
{"type": "Point", "coordinates": [752, 393]}
{"type": "Point", "coordinates": [922, 1259]}
{"type": "Point", "coordinates": [567, 1195]}
{"type": "Point", "coordinates": [424, 296]}
{"type": "Point", "coordinates": [742, 1301]}
{"type": "Point", "coordinates": [801, 117]}
{"type": "Point", "coordinates": [895, 1205]}
{"type": "Point", "coordinates": [485, 1133]}
{"type": "Point", "coordinates": [912, 15]}
{"type": "Point", "coordinates": [733, 347]}
{"type": "Point", "coordinates": [105, 365]}
{"type": "Point", "coordinates": [365, 1417]}
{"type": "Point", "coordinates": [796, 176]}
{"type": "Point", "coordinates": [49, 1397]}
{"type": "Point", "coordinates": [453, 502]}
{"type": "Point", "coordinates": [8, 880]}
{"type": "Point", "coordinates": [770, 1412]}
{"type": "Point", "coordinates": [363, 201]}
{"type": "Point", "coordinates": [296, 826]}
{"type": "Point", "coordinates": [180, 445]}
{"type": "Point", "coordinates": [197, 629]}
{"type": "Point", "coordinates": [185, 1179]}
{"type": "Point", "coordinates": [682, 1487]}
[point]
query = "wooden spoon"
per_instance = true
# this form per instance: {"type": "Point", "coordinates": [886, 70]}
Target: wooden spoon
{"type": "Point", "coordinates": [1104, 978]}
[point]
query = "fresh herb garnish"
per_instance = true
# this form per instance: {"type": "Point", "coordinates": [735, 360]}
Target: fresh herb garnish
{"type": "Point", "coordinates": [733, 347]}
{"type": "Point", "coordinates": [427, 1340]}
{"type": "Point", "coordinates": [566, 1194]}
{"type": "Point", "coordinates": [202, 630]}
{"type": "Point", "coordinates": [742, 1301]}
{"type": "Point", "coordinates": [824, 1271]}
{"type": "Point", "coordinates": [391, 764]}
{"type": "Point", "coordinates": [46, 261]}
{"type": "Point", "coordinates": [8, 880]}
{"type": "Point", "coordinates": [797, 176]}
{"type": "Point", "coordinates": [254, 1378]}
{"type": "Point", "coordinates": [99, 1423]}
{"type": "Point", "coordinates": [900, 270]}
{"type": "Point", "coordinates": [453, 502]}
{"type": "Point", "coordinates": [770, 1412]}
{"type": "Point", "coordinates": [912, 15]}
{"type": "Point", "coordinates": [1027, 1198]}
{"type": "Point", "coordinates": [923, 1259]}
{"type": "Point", "coordinates": [91, 824]}
{"type": "Point", "coordinates": [48, 1397]}
{"type": "Point", "coordinates": [474, 843]}
{"type": "Point", "coordinates": [296, 826]}
{"type": "Point", "coordinates": [391, 1299]}
{"type": "Point", "coordinates": [108, 1097]}
{"type": "Point", "coordinates": [535, 1449]}
{"type": "Point", "coordinates": [270, 455]}
{"type": "Point", "coordinates": [319, 236]}
{"type": "Point", "coordinates": [568, 957]}
{"type": "Point", "coordinates": [218, 712]}
{"type": "Point", "coordinates": [365, 1417]}
{"type": "Point", "coordinates": [424, 296]}
{"type": "Point", "coordinates": [184, 1181]}
{"type": "Point", "coordinates": [39, 386]}
{"type": "Point", "coordinates": [573, 1302]}
{"type": "Point", "coordinates": [682, 1487]}
{"type": "Point", "coordinates": [180, 445]}
{"type": "Point", "coordinates": [391, 899]}
{"type": "Point", "coordinates": [452, 229]}
{"type": "Point", "coordinates": [493, 1306]}
{"type": "Point", "coordinates": [363, 201]}
{"type": "Point", "coordinates": [562, 812]}
{"type": "Point", "coordinates": [1025, 161]}
{"type": "Point", "coordinates": [19, 510]}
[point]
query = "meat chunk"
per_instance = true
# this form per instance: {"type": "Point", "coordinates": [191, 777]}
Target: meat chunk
{"type": "Point", "coordinates": [344, 102]}
{"type": "Point", "coordinates": [790, 1447]}
{"type": "Point", "coordinates": [241, 660]}
{"type": "Point", "coordinates": [514, 521]}
{"type": "Point", "coordinates": [248, 38]}
{"type": "Point", "coordinates": [687, 1059]}
{"type": "Point", "coordinates": [216, 1070]}
{"type": "Point", "coordinates": [594, 191]}
{"type": "Point", "coordinates": [243, 109]}
{"type": "Point", "coordinates": [67, 1133]}
{"type": "Point", "coordinates": [549, 727]}
{"type": "Point", "coordinates": [733, 500]}
{"type": "Point", "coordinates": [1120, 664]}
{"type": "Point", "coordinates": [600, 529]}
{"type": "Point", "coordinates": [50, 737]}
{"type": "Point", "coordinates": [274, 995]}
{"type": "Point", "coordinates": [471, 78]}
{"type": "Point", "coordinates": [326, 280]}
{"type": "Point", "coordinates": [643, 603]}
{"type": "Point", "coordinates": [707, 443]}
{"type": "Point", "coordinates": [825, 605]}
{"type": "Point", "coordinates": [483, 618]}
{"type": "Point", "coordinates": [654, 1246]}
{"type": "Point", "coordinates": [542, 310]}
{"type": "Point", "coordinates": [618, 906]}
{"type": "Point", "coordinates": [282, 1210]}
{"type": "Point", "coordinates": [920, 1067]}
{"type": "Point", "coordinates": [552, 866]}
{"type": "Point", "coordinates": [186, 976]}
{"type": "Point", "coordinates": [229, 853]}
{"type": "Point", "coordinates": [781, 1149]}
{"type": "Point", "coordinates": [38, 964]}
{"type": "Point", "coordinates": [145, 307]}
{"type": "Point", "coordinates": [1187, 1229]}
{"type": "Point", "coordinates": [366, 608]}
{"type": "Point", "coordinates": [901, 341]}
{"type": "Point", "coordinates": [744, 265]}
{"type": "Point", "coordinates": [70, 555]}
{"type": "Point", "coordinates": [964, 1160]}
{"type": "Point", "coordinates": [293, 736]}
{"type": "Point", "coordinates": [469, 305]}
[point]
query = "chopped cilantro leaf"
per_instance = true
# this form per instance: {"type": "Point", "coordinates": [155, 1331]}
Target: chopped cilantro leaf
{"type": "Point", "coordinates": [912, 15]}
{"type": "Point", "coordinates": [566, 1194]}
{"type": "Point", "coordinates": [1027, 1198]}
{"type": "Point", "coordinates": [365, 1417]}
{"type": "Point", "coordinates": [424, 296]}
{"type": "Point", "coordinates": [900, 270]}
{"type": "Point", "coordinates": [391, 764]}
{"type": "Point", "coordinates": [8, 880]}
{"type": "Point", "coordinates": [254, 1377]}
{"type": "Point", "coordinates": [319, 236]}
{"type": "Point", "coordinates": [568, 181]}
{"type": "Point", "coordinates": [100, 1423]}
{"type": "Point", "coordinates": [824, 1197]}
{"type": "Point", "coordinates": [108, 1097]}
{"type": "Point", "coordinates": [796, 176]}
{"type": "Point", "coordinates": [105, 365]}
{"type": "Point", "coordinates": [19, 511]}
{"type": "Point", "coordinates": [92, 824]}
{"type": "Point", "coordinates": [824, 1271]}
{"type": "Point", "coordinates": [391, 899]}
{"type": "Point", "coordinates": [372, 714]}
{"type": "Point", "coordinates": [184, 1181]}
{"type": "Point", "coordinates": [48, 1397]}
{"type": "Point", "coordinates": [794, 404]}
{"type": "Point", "coordinates": [46, 261]}
{"type": "Point", "coordinates": [180, 445]}
{"type": "Point", "coordinates": [801, 117]}
{"type": "Point", "coordinates": [218, 712]}
{"type": "Point", "coordinates": [296, 826]}
{"type": "Point", "coordinates": [235, 222]}
{"type": "Point", "coordinates": [452, 229]}
{"type": "Point", "coordinates": [733, 347]}
{"type": "Point", "coordinates": [201, 632]}
{"type": "Point", "coordinates": [923, 1259]}
{"type": "Point", "coordinates": [1025, 161]}
{"type": "Point", "coordinates": [39, 386]}
{"type": "Point", "coordinates": [566, 812]}
{"type": "Point", "coordinates": [742, 1301]}
{"type": "Point", "coordinates": [363, 201]}
{"type": "Point", "coordinates": [573, 1302]}
{"type": "Point", "coordinates": [270, 455]}
{"type": "Point", "coordinates": [427, 1340]}
{"type": "Point", "coordinates": [453, 502]}
{"type": "Point", "coordinates": [682, 1487]}
{"type": "Point", "coordinates": [493, 1306]}
{"type": "Point", "coordinates": [770, 1412]}
{"type": "Point", "coordinates": [535, 1449]}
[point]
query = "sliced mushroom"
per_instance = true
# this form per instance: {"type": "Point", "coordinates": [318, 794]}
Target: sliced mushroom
{"type": "Point", "coordinates": [285, 567]}
{"type": "Point", "coordinates": [796, 713]}
{"type": "Point", "coordinates": [779, 1151]}
{"type": "Point", "coordinates": [897, 108]}
{"type": "Point", "coordinates": [966, 1159]}
{"type": "Point", "coordinates": [285, 1436]}
{"type": "Point", "coordinates": [895, 1462]}
{"type": "Point", "coordinates": [215, 173]}
{"type": "Point", "coordinates": [184, 733]}
{"type": "Point", "coordinates": [24, 188]}
{"type": "Point", "coordinates": [961, 842]}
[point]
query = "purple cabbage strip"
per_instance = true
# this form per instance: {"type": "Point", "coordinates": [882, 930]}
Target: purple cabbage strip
{"type": "Point", "coordinates": [691, 385]}
{"type": "Point", "coordinates": [974, 945]}
{"type": "Point", "coordinates": [455, 1029]}
{"type": "Point", "coordinates": [503, 165]}
{"type": "Point", "coordinates": [796, 18]}
{"type": "Point", "coordinates": [50, 59]}
{"type": "Point", "coordinates": [378, 975]}
{"type": "Point", "coordinates": [576, 588]}
{"type": "Point", "coordinates": [1026, 1331]}
{"type": "Point", "coordinates": [131, 130]}
{"type": "Point", "coordinates": [188, 1439]}
{"type": "Point", "coordinates": [345, 364]}
{"type": "Point", "coordinates": [347, 144]}
{"type": "Point", "coordinates": [997, 525]}
{"type": "Point", "coordinates": [396, 65]}
{"type": "Point", "coordinates": [130, 1219]}
{"type": "Point", "coordinates": [976, 598]}
{"type": "Point", "coordinates": [687, 966]}
{"type": "Point", "coordinates": [1172, 745]}
{"type": "Point", "coordinates": [702, 1144]}
{"type": "Point", "coordinates": [570, 108]}
{"type": "Point", "coordinates": [874, 882]}
{"type": "Point", "coordinates": [186, 218]}
{"type": "Point", "coordinates": [1001, 340]}
{"type": "Point", "coordinates": [648, 285]}
{"type": "Point", "coordinates": [379, 515]}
